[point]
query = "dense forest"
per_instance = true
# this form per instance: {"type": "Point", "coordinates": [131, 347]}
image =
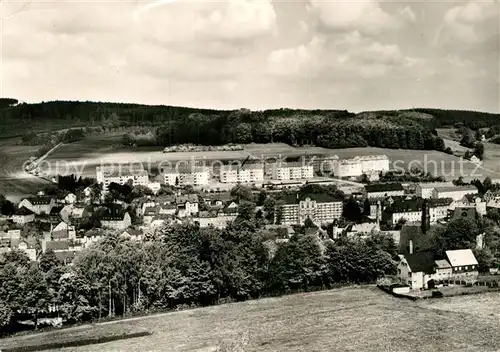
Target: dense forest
{"type": "Point", "coordinates": [174, 125]}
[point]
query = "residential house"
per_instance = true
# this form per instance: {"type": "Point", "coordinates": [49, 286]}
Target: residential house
{"type": "Point", "coordinates": [474, 159]}
{"type": "Point", "coordinates": [464, 213]}
{"type": "Point", "coordinates": [470, 200]}
{"type": "Point", "coordinates": [464, 264]}
{"type": "Point", "coordinates": [456, 192]}
{"type": "Point", "coordinates": [23, 216]}
{"type": "Point", "coordinates": [362, 230]}
{"type": "Point", "coordinates": [30, 246]}
{"type": "Point", "coordinates": [378, 190]}
{"type": "Point", "coordinates": [409, 209]}
{"type": "Point", "coordinates": [216, 218]}
{"type": "Point", "coordinates": [39, 205]}
{"type": "Point", "coordinates": [118, 220]}
{"type": "Point", "coordinates": [493, 204]}
{"type": "Point", "coordinates": [491, 195]}
{"type": "Point", "coordinates": [187, 205]}
{"type": "Point", "coordinates": [438, 208]}
{"type": "Point", "coordinates": [216, 200]}
{"type": "Point", "coordinates": [425, 189]}
{"type": "Point", "coordinates": [55, 214]}
{"type": "Point", "coordinates": [422, 270]}
{"type": "Point", "coordinates": [319, 208]}
{"type": "Point", "coordinates": [68, 198]}
{"type": "Point", "coordinates": [63, 231]}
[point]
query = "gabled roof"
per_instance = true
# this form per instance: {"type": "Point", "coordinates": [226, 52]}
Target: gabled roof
{"type": "Point", "coordinates": [469, 212]}
{"type": "Point", "coordinates": [421, 262]}
{"type": "Point", "coordinates": [191, 198]}
{"type": "Point", "coordinates": [40, 200]}
{"type": "Point", "coordinates": [442, 264]}
{"type": "Point", "coordinates": [23, 211]}
{"type": "Point", "coordinates": [56, 210]}
{"type": "Point", "coordinates": [461, 257]}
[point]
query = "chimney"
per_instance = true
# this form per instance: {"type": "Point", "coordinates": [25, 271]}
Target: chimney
{"type": "Point", "coordinates": [411, 247]}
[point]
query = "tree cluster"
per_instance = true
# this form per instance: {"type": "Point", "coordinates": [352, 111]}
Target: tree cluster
{"type": "Point", "coordinates": [184, 266]}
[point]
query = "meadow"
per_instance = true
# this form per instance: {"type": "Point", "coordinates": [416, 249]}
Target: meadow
{"type": "Point", "coordinates": [14, 182]}
{"type": "Point", "coordinates": [82, 157]}
{"type": "Point", "coordinates": [348, 319]}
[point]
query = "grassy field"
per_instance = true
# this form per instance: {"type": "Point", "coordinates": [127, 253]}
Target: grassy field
{"type": "Point", "coordinates": [82, 157]}
{"type": "Point", "coordinates": [14, 182]}
{"type": "Point", "coordinates": [350, 319]}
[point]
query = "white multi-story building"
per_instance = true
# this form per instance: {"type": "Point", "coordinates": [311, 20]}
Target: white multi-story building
{"type": "Point", "coordinates": [320, 208]}
{"type": "Point", "coordinates": [121, 174]}
{"type": "Point", "coordinates": [457, 193]}
{"type": "Point", "coordinates": [438, 209]}
{"type": "Point", "coordinates": [424, 190]}
{"type": "Point", "coordinates": [361, 165]}
{"type": "Point", "coordinates": [246, 173]}
{"type": "Point", "coordinates": [291, 171]}
{"type": "Point", "coordinates": [194, 176]}
{"type": "Point", "coordinates": [403, 209]}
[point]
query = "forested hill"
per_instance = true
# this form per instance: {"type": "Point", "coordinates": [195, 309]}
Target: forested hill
{"type": "Point", "coordinates": [408, 129]}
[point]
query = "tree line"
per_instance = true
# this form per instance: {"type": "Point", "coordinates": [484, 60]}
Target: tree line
{"type": "Point", "coordinates": [179, 125]}
{"type": "Point", "coordinates": [183, 266]}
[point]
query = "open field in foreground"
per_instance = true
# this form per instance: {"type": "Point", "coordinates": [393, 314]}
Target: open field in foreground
{"type": "Point", "coordinates": [350, 319]}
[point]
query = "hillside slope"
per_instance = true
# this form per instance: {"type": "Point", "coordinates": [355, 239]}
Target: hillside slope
{"type": "Point", "coordinates": [350, 319]}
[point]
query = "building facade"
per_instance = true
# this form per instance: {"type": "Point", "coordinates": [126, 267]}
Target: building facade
{"type": "Point", "coordinates": [424, 190]}
{"type": "Point", "coordinates": [456, 193]}
{"type": "Point", "coordinates": [361, 165]}
{"type": "Point", "coordinates": [194, 176]}
{"type": "Point", "coordinates": [246, 174]}
{"type": "Point", "coordinates": [320, 208]}
{"type": "Point", "coordinates": [121, 175]}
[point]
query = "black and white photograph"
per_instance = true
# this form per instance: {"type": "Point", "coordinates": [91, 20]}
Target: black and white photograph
{"type": "Point", "coordinates": [250, 175]}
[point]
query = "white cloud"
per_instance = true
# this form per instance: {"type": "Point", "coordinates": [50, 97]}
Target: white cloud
{"type": "Point", "coordinates": [472, 22]}
{"type": "Point", "coordinates": [327, 59]}
{"type": "Point", "coordinates": [366, 17]}
{"type": "Point", "coordinates": [407, 14]}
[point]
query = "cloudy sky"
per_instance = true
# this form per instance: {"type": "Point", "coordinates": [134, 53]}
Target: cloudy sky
{"type": "Point", "coordinates": [354, 55]}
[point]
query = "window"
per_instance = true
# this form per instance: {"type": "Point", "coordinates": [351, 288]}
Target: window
{"type": "Point", "coordinates": [472, 267]}
{"type": "Point", "coordinates": [466, 267]}
{"type": "Point", "coordinates": [459, 268]}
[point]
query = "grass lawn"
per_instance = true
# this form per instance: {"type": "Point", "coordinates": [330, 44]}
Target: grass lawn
{"type": "Point", "coordinates": [349, 319]}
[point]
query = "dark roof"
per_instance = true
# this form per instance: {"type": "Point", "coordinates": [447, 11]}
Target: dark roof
{"type": "Point", "coordinates": [423, 261]}
{"type": "Point", "coordinates": [23, 211]}
{"type": "Point", "coordinates": [384, 187]}
{"type": "Point", "coordinates": [41, 200]}
{"type": "Point", "coordinates": [192, 198]}
{"type": "Point", "coordinates": [56, 210]}
{"type": "Point", "coordinates": [318, 197]}
{"type": "Point", "coordinates": [464, 212]}
{"type": "Point", "coordinates": [405, 205]}
{"type": "Point", "coordinates": [439, 202]}
{"type": "Point", "coordinates": [407, 233]}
